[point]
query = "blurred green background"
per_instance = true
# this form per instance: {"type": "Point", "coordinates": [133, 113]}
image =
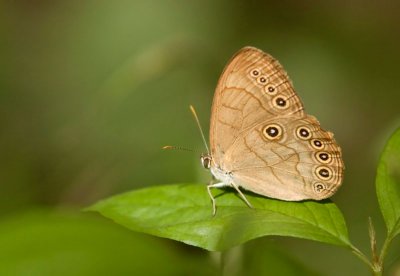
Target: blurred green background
{"type": "Point", "coordinates": [91, 90]}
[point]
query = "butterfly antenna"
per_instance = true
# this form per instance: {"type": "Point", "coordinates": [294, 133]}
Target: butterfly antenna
{"type": "Point", "coordinates": [199, 126]}
{"type": "Point", "coordinates": [176, 148]}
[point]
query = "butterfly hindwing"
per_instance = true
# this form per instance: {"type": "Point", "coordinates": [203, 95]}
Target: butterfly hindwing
{"type": "Point", "coordinates": [299, 161]}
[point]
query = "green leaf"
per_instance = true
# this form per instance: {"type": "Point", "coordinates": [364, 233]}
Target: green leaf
{"type": "Point", "coordinates": [388, 184]}
{"type": "Point", "coordinates": [183, 212]}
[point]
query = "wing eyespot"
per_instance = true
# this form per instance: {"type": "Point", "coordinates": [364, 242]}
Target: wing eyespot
{"type": "Point", "coordinates": [324, 173]}
{"type": "Point", "coordinates": [316, 144]}
{"type": "Point", "coordinates": [270, 89]}
{"type": "Point", "coordinates": [272, 132]}
{"type": "Point", "coordinates": [262, 80]}
{"type": "Point", "coordinates": [319, 187]}
{"type": "Point", "coordinates": [303, 133]}
{"type": "Point", "coordinates": [280, 102]}
{"type": "Point", "coordinates": [323, 157]}
{"type": "Point", "coordinates": [255, 73]}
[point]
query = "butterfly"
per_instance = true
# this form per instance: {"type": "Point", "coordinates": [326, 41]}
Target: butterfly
{"type": "Point", "coordinates": [261, 139]}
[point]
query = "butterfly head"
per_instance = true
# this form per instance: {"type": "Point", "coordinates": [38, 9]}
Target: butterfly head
{"type": "Point", "coordinates": [206, 160]}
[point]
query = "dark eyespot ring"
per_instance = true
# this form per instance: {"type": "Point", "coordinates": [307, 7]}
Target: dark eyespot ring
{"type": "Point", "coordinates": [317, 144]}
{"type": "Point", "coordinates": [323, 157]}
{"type": "Point", "coordinates": [319, 187]}
{"type": "Point", "coordinates": [262, 80]}
{"type": "Point", "coordinates": [254, 73]}
{"type": "Point", "coordinates": [272, 131]}
{"type": "Point", "coordinates": [303, 132]}
{"type": "Point", "coordinates": [324, 173]}
{"type": "Point", "coordinates": [270, 89]}
{"type": "Point", "coordinates": [280, 102]}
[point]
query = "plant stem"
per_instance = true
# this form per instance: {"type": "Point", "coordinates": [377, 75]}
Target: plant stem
{"type": "Point", "coordinates": [384, 251]}
{"type": "Point", "coordinates": [385, 247]}
{"type": "Point", "coordinates": [363, 258]}
{"type": "Point", "coordinates": [377, 263]}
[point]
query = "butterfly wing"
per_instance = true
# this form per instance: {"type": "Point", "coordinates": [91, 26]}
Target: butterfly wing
{"type": "Point", "coordinates": [254, 92]}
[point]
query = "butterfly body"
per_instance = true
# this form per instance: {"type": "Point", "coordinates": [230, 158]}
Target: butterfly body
{"type": "Point", "coordinates": [261, 138]}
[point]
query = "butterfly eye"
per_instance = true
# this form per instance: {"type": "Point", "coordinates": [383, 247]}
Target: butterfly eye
{"type": "Point", "coordinates": [272, 131]}
{"type": "Point", "coordinates": [304, 133]}
{"type": "Point", "coordinates": [254, 73]}
{"type": "Point", "coordinates": [262, 80]}
{"type": "Point", "coordinates": [319, 187]}
{"type": "Point", "coordinates": [324, 173]}
{"type": "Point", "coordinates": [280, 102]}
{"type": "Point", "coordinates": [317, 144]}
{"type": "Point", "coordinates": [323, 157]}
{"type": "Point", "coordinates": [206, 161]}
{"type": "Point", "coordinates": [270, 89]}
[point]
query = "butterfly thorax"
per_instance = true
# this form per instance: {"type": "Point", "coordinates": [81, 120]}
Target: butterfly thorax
{"type": "Point", "coordinates": [222, 175]}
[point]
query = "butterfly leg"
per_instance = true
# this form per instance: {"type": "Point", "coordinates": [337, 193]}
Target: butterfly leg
{"type": "Point", "coordinates": [221, 185]}
{"type": "Point", "coordinates": [215, 185]}
{"type": "Point", "coordinates": [241, 195]}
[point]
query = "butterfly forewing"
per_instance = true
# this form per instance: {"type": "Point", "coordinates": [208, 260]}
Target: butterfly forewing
{"type": "Point", "coordinates": [253, 88]}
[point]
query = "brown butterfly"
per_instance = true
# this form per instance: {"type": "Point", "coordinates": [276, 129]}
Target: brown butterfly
{"type": "Point", "coordinates": [261, 138]}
